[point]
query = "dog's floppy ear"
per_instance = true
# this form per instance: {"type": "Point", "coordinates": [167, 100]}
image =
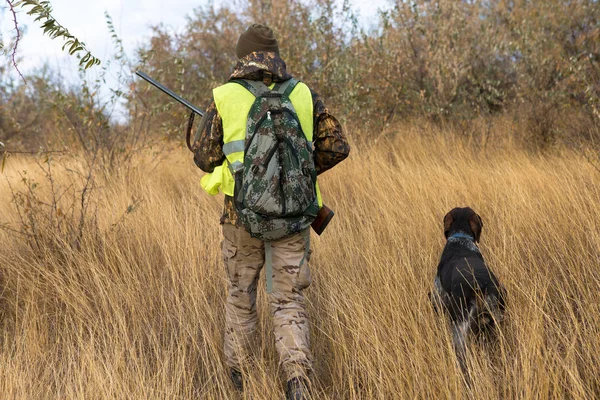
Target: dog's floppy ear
{"type": "Point", "coordinates": [448, 220]}
{"type": "Point", "coordinates": [476, 224]}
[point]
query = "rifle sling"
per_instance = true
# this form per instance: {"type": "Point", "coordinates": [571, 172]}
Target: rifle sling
{"type": "Point", "coordinates": [188, 133]}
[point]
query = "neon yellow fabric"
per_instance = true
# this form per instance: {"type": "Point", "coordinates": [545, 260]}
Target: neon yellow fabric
{"type": "Point", "coordinates": [319, 197]}
{"type": "Point", "coordinates": [303, 104]}
{"type": "Point", "coordinates": [233, 103]}
{"type": "Point", "coordinates": [219, 179]}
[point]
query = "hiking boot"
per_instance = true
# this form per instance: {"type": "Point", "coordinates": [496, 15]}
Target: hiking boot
{"type": "Point", "coordinates": [297, 389]}
{"type": "Point", "coordinates": [236, 379]}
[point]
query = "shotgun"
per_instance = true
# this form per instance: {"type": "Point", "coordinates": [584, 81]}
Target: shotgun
{"type": "Point", "coordinates": [195, 110]}
{"type": "Point", "coordinates": [324, 215]}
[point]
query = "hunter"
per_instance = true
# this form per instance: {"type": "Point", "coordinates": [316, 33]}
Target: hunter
{"type": "Point", "coordinates": [263, 141]}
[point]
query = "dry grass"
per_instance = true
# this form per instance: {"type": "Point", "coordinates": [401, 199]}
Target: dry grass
{"type": "Point", "coordinates": [138, 312]}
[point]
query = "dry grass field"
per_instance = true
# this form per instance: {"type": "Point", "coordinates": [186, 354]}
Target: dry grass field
{"type": "Point", "coordinates": [137, 311]}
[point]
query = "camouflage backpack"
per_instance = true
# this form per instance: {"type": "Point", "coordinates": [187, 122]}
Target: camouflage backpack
{"type": "Point", "coordinates": [275, 193]}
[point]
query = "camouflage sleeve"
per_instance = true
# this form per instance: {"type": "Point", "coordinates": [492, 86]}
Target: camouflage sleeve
{"type": "Point", "coordinates": [331, 145]}
{"type": "Point", "coordinates": [208, 142]}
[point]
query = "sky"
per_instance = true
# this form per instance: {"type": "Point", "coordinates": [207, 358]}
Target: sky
{"type": "Point", "coordinates": [86, 21]}
{"type": "Point", "coordinates": [132, 20]}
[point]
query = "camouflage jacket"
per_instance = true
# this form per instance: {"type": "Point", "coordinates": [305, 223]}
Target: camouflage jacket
{"type": "Point", "coordinates": [330, 143]}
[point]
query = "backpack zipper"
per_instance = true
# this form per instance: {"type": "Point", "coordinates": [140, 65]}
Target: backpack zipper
{"type": "Point", "coordinates": [249, 141]}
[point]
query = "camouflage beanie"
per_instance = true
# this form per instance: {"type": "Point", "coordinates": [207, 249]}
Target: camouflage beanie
{"type": "Point", "coordinates": [256, 38]}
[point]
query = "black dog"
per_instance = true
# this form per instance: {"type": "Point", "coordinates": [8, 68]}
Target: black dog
{"type": "Point", "coordinates": [464, 287]}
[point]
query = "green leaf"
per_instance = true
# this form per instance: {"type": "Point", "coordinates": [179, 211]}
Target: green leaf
{"type": "Point", "coordinates": [42, 11]}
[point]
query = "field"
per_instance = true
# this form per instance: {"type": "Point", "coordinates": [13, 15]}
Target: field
{"type": "Point", "coordinates": [133, 309]}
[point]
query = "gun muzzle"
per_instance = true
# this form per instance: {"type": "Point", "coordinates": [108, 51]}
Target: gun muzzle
{"type": "Point", "coordinates": [323, 217]}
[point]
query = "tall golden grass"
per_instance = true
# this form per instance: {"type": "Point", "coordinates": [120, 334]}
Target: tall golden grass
{"type": "Point", "coordinates": [137, 313]}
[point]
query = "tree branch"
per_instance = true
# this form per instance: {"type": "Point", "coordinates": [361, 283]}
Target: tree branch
{"type": "Point", "coordinates": [42, 11]}
{"type": "Point", "coordinates": [17, 39]}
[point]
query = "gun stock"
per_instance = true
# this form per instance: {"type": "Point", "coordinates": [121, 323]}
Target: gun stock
{"type": "Point", "coordinates": [322, 220]}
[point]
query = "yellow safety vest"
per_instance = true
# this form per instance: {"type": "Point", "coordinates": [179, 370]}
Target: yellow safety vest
{"type": "Point", "coordinates": [233, 103]}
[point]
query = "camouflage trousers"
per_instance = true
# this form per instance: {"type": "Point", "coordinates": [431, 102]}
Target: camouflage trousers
{"type": "Point", "coordinates": [244, 257]}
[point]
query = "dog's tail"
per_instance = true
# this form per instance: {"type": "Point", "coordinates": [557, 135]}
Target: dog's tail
{"type": "Point", "coordinates": [488, 313]}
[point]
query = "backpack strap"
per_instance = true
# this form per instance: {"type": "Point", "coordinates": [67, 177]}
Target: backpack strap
{"type": "Point", "coordinates": [257, 88]}
{"type": "Point", "coordinates": [269, 266]}
{"type": "Point", "coordinates": [306, 237]}
{"type": "Point", "coordinates": [286, 88]}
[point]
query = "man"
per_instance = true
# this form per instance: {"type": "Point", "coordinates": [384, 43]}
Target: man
{"type": "Point", "coordinates": [244, 254]}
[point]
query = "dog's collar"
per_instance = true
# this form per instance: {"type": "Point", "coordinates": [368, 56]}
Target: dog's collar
{"type": "Point", "coordinates": [461, 235]}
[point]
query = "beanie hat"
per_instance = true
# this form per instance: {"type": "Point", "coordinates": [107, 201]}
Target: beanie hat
{"type": "Point", "coordinates": [256, 38]}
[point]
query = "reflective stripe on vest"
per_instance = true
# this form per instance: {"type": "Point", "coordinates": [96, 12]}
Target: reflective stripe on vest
{"type": "Point", "coordinates": [233, 104]}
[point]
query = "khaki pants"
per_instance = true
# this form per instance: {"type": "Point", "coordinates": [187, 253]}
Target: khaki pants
{"type": "Point", "coordinates": [244, 257]}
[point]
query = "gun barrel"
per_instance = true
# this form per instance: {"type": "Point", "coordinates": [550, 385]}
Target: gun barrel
{"type": "Point", "coordinates": [170, 93]}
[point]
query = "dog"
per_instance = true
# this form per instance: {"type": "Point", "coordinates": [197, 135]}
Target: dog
{"type": "Point", "coordinates": [464, 287]}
